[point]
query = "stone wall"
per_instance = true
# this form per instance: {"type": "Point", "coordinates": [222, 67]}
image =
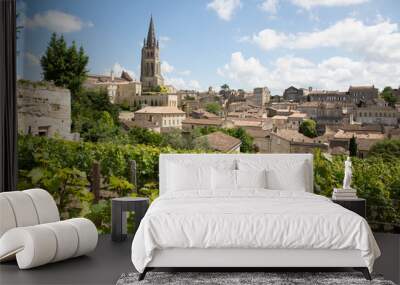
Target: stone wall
{"type": "Point", "coordinates": [44, 110]}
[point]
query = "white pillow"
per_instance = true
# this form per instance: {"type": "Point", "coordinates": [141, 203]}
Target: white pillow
{"type": "Point", "coordinates": [188, 177]}
{"type": "Point", "coordinates": [251, 178]}
{"type": "Point", "coordinates": [296, 180]}
{"type": "Point", "coordinates": [224, 179]}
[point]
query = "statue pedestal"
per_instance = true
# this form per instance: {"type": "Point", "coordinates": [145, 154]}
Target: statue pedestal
{"type": "Point", "coordinates": [339, 193]}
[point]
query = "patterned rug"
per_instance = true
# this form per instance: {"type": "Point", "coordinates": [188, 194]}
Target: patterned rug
{"type": "Point", "coordinates": [243, 278]}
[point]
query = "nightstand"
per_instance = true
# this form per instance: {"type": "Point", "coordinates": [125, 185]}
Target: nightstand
{"type": "Point", "coordinates": [358, 205]}
{"type": "Point", "coordinates": [119, 207]}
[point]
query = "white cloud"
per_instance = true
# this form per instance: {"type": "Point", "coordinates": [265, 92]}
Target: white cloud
{"type": "Point", "coordinates": [309, 4]}
{"type": "Point", "coordinates": [182, 84]}
{"type": "Point", "coordinates": [335, 73]}
{"type": "Point", "coordinates": [166, 67]}
{"type": "Point", "coordinates": [163, 40]}
{"type": "Point", "coordinates": [185, 72]}
{"type": "Point", "coordinates": [267, 39]}
{"type": "Point", "coordinates": [224, 8]}
{"type": "Point", "coordinates": [32, 59]}
{"type": "Point", "coordinates": [249, 72]}
{"type": "Point", "coordinates": [379, 41]}
{"type": "Point", "coordinates": [57, 21]}
{"type": "Point", "coordinates": [118, 68]}
{"type": "Point", "coordinates": [270, 6]}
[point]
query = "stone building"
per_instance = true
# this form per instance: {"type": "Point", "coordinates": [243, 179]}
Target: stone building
{"type": "Point", "coordinates": [150, 69]}
{"type": "Point", "coordinates": [262, 95]}
{"type": "Point", "coordinates": [364, 140]}
{"type": "Point", "coordinates": [328, 96]}
{"type": "Point", "coordinates": [166, 118]}
{"type": "Point", "coordinates": [362, 93]}
{"type": "Point", "coordinates": [44, 110]}
{"type": "Point", "coordinates": [291, 141]}
{"type": "Point", "coordinates": [375, 114]}
{"type": "Point", "coordinates": [294, 94]}
{"type": "Point", "coordinates": [120, 90]}
{"type": "Point", "coordinates": [323, 112]}
{"type": "Point", "coordinates": [167, 100]}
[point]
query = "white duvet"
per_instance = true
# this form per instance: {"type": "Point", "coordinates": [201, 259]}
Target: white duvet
{"type": "Point", "coordinates": [250, 219]}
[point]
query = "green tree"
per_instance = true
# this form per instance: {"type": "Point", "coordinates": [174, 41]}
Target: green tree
{"type": "Point", "coordinates": [389, 150]}
{"type": "Point", "coordinates": [387, 95]}
{"type": "Point", "coordinates": [160, 89]}
{"type": "Point", "coordinates": [214, 108]}
{"type": "Point", "coordinates": [65, 66]}
{"type": "Point", "coordinates": [247, 141]}
{"type": "Point", "coordinates": [353, 146]}
{"type": "Point", "coordinates": [144, 136]}
{"type": "Point", "coordinates": [308, 128]}
{"type": "Point", "coordinates": [225, 87]}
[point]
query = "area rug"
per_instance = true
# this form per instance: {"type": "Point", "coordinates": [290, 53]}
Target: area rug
{"type": "Point", "coordinates": [244, 278]}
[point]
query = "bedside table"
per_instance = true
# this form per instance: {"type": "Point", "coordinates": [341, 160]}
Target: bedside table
{"type": "Point", "coordinates": [119, 207]}
{"type": "Point", "coordinates": [358, 205]}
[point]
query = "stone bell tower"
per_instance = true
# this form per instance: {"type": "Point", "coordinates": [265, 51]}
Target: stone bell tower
{"type": "Point", "coordinates": [150, 71]}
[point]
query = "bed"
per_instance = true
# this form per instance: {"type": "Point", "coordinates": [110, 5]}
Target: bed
{"type": "Point", "coordinates": [246, 211]}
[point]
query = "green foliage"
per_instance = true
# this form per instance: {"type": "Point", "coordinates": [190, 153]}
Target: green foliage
{"type": "Point", "coordinates": [225, 87]}
{"type": "Point", "coordinates": [376, 180]}
{"type": "Point", "coordinates": [388, 150]}
{"type": "Point", "coordinates": [247, 140]}
{"type": "Point", "coordinates": [144, 136]}
{"type": "Point", "coordinates": [67, 184]}
{"type": "Point", "coordinates": [353, 146]}
{"type": "Point", "coordinates": [159, 89]}
{"type": "Point", "coordinates": [214, 108]}
{"type": "Point", "coordinates": [94, 117]}
{"type": "Point", "coordinates": [65, 66]}
{"type": "Point", "coordinates": [308, 128]}
{"type": "Point", "coordinates": [120, 185]}
{"type": "Point", "coordinates": [100, 215]}
{"type": "Point", "coordinates": [388, 96]}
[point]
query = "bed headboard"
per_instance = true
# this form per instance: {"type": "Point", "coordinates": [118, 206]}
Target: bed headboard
{"type": "Point", "coordinates": [268, 159]}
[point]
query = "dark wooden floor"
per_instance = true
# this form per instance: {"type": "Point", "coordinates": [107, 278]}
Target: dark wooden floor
{"type": "Point", "coordinates": [110, 259]}
{"type": "Point", "coordinates": [103, 266]}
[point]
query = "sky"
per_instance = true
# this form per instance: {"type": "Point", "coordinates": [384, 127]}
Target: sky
{"type": "Point", "coordinates": [326, 44]}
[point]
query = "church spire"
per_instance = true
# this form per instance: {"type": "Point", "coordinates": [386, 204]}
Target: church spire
{"type": "Point", "coordinates": [151, 35]}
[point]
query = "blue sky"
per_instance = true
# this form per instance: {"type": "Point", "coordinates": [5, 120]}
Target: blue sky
{"type": "Point", "coordinates": [327, 44]}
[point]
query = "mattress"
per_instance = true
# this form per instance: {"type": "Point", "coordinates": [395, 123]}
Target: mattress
{"type": "Point", "coordinates": [250, 219]}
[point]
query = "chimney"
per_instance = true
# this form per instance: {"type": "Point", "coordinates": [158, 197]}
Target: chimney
{"type": "Point", "coordinates": [310, 88]}
{"type": "Point", "coordinates": [112, 75]}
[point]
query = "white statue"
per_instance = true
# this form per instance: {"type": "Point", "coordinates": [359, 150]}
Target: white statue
{"type": "Point", "coordinates": [347, 174]}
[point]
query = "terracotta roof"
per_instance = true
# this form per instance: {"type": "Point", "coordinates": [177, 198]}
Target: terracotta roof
{"type": "Point", "coordinates": [141, 124]}
{"type": "Point", "coordinates": [193, 121]}
{"type": "Point", "coordinates": [361, 87]}
{"type": "Point", "coordinates": [159, 110]}
{"type": "Point", "coordinates": [295, 136]}
{"type": "Point", "coordinates": [222, 142]}
{"type": "Point", "coordinates": [348, 135]}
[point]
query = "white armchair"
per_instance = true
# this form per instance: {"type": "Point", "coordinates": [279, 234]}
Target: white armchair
{"type": "Point", "coordinates": [31, 230]}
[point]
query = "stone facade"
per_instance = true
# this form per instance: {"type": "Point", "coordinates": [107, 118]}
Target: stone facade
{"type": "Point", "coordinates": [166, 118]}
{"type": "Point", "coordinates": [377, 115]}
{"type": "Point", "coordinates": [167, 100]}
{"type": "Point", "coordinates": [120, 90]}
{"type": "Point", "coordinates": [150, 70]}
{"type": "Point", "coordinates": [294, 94]}
{"type": "Point", "coordinates": [328, 96]}
{"type": "Point", "coordinates": [262, 95]}
{"type": "Point", "coordinates": [323, 112]}
{"type": "Point", "coordinates": [44, 110]}
{"type": "Point", "coordinates": [363, 93]}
